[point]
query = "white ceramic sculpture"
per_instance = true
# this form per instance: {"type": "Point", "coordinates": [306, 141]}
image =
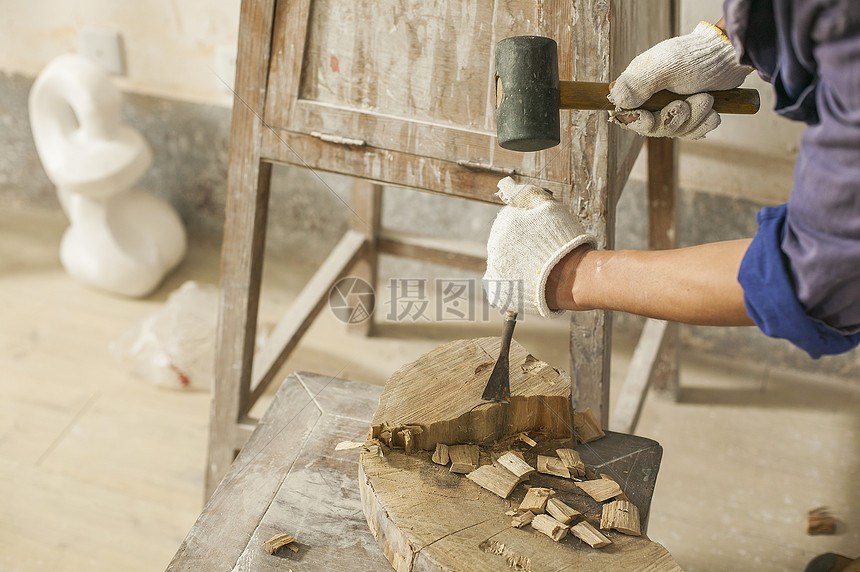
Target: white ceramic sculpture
{"type": "Point", "coordinates": [120, 240]}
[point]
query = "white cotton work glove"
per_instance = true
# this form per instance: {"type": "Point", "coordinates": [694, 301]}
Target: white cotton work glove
{"type": "Point", "coordinates": [529, 237]}
{"type": "Point", "coordinates": [703, 60]}
{"type": "Point", "coordinates": [690, 118]}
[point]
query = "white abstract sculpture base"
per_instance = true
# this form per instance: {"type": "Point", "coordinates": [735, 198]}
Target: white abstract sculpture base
{"type": "Point", "coordinates": [120, 240]}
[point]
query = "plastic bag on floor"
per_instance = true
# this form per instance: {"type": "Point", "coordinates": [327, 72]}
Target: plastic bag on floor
{"type": "Point", "coordinates": [175, 346]}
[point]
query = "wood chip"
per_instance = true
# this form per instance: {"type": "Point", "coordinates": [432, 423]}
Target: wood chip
{"type": "Point", "coordinates": [586, 426]}
{"type": "Point", "coordinates": [440, 455]}
{"type": "Point", "coordinates": [552, 466]}
{"type": "Point", "coordinates": [464, 458]}
{"type": "Point", "coordinates": [820, 521]}
{"type": "Point", "coordinates": [521, 519]}
{"type": "Point", "coordinates": [622, 516]}
{"type": "Point", "coordinates": [515, 464]}
{"type": "Point", "coordinates": [273, 544]}
{"type": "Point", "coordinates": [526, 439]}
{"type": "Point", "coordinates": [589, 535]}
{"type": "Point", "coordinates": [535, 499]}
{"type": "Point", "coordinates": [560, 511]}
{"type": "Point", "coordinates": [344, 445]}
{"type": "Point", "coordinates": [600, 489]}
{"type": "Point", "coordinates": [494, 478]}
{"type": "Point", "coordinates": [572, 461]}
{"type": "Point", "coordinates": [549, 526]}
{"type": "Point", "coordinates": [408, 441]}
{"type": "Point", "coordinates": [620, 496]}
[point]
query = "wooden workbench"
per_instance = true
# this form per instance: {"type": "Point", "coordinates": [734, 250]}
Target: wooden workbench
{"type": "Point", "coordinates": [289, 479]}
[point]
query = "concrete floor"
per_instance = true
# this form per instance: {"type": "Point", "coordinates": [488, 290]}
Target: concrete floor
{"type": "Point", "coordinates": [103, 471]}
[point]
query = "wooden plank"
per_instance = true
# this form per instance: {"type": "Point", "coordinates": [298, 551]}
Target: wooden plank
{"type": "Point", "coordinates": [450, 252]}
{"type": "Point", "coordinates": [643, 365]}
{"type": "Point", "coordinates": [243, 494]}
{"type": "Point", "coordinates": [289, 40]}
{"type": "Point", "coordinates": [282, 483]}
{"type": "Point", "coordinates": [244, 238]}
{"type": "Point", "coordinates": [303, 310]}
{"type": "Point", "coordinates": [366, 218]}
{"type": "Point", "coordinates": [663, 201]}
{"type": "Point", "coordinates": [393, 167]}
{"type": "Point", "coordinates": [590, 151]}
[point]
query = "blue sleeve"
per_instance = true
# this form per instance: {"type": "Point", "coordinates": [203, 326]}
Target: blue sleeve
{"type": "Point", "coordinates": [769, 293]}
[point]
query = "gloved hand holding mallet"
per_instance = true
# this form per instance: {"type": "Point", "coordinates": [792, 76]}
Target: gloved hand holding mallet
{"type": "Point", "coordinates": [540, 258]}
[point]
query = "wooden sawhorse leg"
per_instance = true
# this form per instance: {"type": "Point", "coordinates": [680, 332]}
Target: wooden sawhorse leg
{"type": "Point", "coordinates": [655, 360]}
{"type": "Point", "coordinates": [240, 376]}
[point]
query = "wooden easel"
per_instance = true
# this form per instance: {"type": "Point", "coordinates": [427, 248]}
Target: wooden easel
{"type": "Point", "coordinates": [315, 88]}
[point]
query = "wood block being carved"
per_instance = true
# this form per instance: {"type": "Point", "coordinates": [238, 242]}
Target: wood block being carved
{"type": "Point", "coordinates": [549, 526]}
{"type": "Point", "coordinates": [464, 458]}
{"type": "Point", "coordinates": [535, 499]}
{"type": "Point", "coordinates": [600, 489]}
{"type": "Point", "coordinates": [572, 461]}
{"type": "Point", "coordinates": [521, 519]}
{"type": "Point", "coordinates": [560, 511]}
{"type": "Point", "coordinates": [516, 465]}
{"type": "Point", "coordinates": [586, 426]}
{"type": "Point", "coordinates": [440, 455]}
{"type": "Point", "coordinates": [552, 466]}
{"type": "Point", "coordinates": [431, 519]}
{"type": "Point", "coordinates": [589, 535]}
{"type": "Point", "coordinates": [496, 479]}
{"type": "Point", "coordinates": [441, 391]}
{"type": "Point", "coordinates": [621, 515]}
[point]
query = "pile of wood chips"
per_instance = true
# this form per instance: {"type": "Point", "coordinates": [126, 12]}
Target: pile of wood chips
{"type": "Point", "coordinates": [546, 514]}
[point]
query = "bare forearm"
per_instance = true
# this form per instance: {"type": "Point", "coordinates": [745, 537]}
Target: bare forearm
{"type": "Point", "coordinates": [696, 285]}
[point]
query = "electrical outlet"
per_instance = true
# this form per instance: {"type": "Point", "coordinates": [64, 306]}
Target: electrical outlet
{"type": "Point", "coordinates": [104, 47]}
{"type": "Point", "coordinates": [225, 66]}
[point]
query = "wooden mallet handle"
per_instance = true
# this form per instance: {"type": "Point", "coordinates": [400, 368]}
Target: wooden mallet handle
{"type": "Point", "coordinates": [592, 96]}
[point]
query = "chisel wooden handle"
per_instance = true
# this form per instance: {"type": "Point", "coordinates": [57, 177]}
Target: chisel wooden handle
{"type": "Point", "coordinates": [592, 96]}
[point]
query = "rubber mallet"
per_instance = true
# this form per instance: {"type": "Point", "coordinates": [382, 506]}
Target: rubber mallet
{"type": "Point", "coordinates": [529, 95]}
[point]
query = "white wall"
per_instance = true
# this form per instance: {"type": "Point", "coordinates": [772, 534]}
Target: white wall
{"type": "Point", "coordinates": [169, 45]}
